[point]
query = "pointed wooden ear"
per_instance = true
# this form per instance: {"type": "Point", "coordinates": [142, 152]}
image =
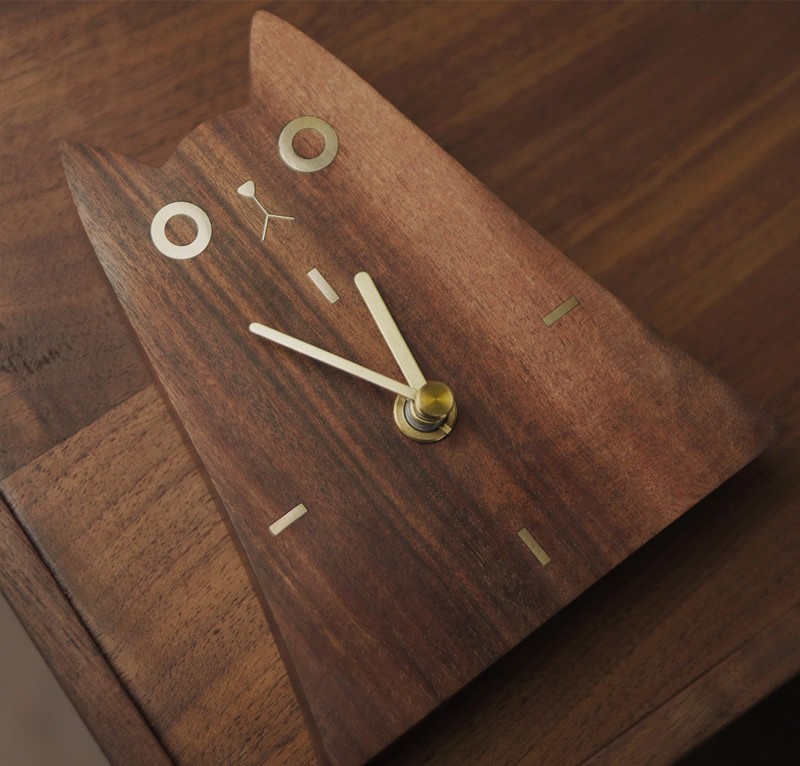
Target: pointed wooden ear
{"type": "Point", "coordinates": [292, 76]}
{"type": "Point", "coordinates": [105, 188]}
{"type": "Point", "coordinates": [276, 50]}
{"type": "Point", "coordinates": [260, 32]}
{"type": "Point", "coordinates": [89, 169]}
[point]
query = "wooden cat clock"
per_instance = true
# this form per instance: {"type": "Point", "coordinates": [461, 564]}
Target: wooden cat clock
{"type": "Point", "coordinates": [429, 428]}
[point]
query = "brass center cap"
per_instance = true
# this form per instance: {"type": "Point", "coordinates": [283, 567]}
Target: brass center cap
{"type": "Point", "coordinates": [430, 415]}
{"type": "Point", "coordinates": [434, 400]}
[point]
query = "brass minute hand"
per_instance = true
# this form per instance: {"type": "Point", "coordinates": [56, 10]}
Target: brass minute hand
{"type": "Point", "coordinates": [391, 334]}
{"type": "Point", "coordinates": [334, 361]}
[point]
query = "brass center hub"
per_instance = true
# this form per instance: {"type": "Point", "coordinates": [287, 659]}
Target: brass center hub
{"type": "Point", "coordinates": [430, 415]}
{"type": "Point", "coordinates": [432, 403]}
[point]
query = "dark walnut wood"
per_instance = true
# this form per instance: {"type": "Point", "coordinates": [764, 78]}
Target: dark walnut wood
{"type": "Point", "coordinates": [656, 144]}
{"type": "Point", "coordinates": [188, 640]}
{"type": "Point", "coordinates": [61, 636]}
{"type": "Point", "coordinates": [81, 70]}
{"type": "Point", "coordinates": [646, 663]}
{"type": "Point", "coordinates": [406, 579]}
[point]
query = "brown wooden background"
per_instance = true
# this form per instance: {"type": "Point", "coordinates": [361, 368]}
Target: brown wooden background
{"type": "Point", "coordinates": [657, 145]}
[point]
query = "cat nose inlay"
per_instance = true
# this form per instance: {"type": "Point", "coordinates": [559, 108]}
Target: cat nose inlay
{"type": "Point", "coordinates": [248, 189]}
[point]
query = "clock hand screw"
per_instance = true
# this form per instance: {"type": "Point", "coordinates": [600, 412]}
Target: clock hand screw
{"type": "Point", "coordinates": [430, 415]}
{"type": "Point", "coordinates": [430, 407]}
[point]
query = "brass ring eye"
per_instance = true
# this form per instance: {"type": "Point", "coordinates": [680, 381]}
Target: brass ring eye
{"type": "Point", "coordinates": [302, 164]}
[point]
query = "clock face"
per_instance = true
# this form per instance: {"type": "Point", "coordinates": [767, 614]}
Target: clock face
{"type": "Point", "coordinates": [325, 320]}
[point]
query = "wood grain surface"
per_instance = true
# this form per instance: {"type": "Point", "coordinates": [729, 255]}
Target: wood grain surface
{"type": "Point", "coordinates": [83, 669]}
{"type": "Point", "coordinates": [163, 634]}
{"type": "Point", "coordinates": [670, 177]}
{"type": "Point", "coordinates": [407, 578]}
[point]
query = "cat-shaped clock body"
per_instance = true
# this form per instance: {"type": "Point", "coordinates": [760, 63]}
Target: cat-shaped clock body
{"type": "Point", "coordinates": [393, 571]}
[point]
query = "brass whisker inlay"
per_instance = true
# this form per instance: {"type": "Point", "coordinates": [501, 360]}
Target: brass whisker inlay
{"type": "Point", "coordinates": [536, 549]}
{"type": "Point", "coordinates": [558, 312]}
{"type": "Point", "coordinates": [287, 519]}
{"type": "Point", "coordinates": [323, 285]}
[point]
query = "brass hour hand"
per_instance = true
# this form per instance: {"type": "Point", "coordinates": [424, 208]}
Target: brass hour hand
{"type": "Point", "coordinates": [326, 357]}
{"type": "Point", "coordinates": [391, 334]}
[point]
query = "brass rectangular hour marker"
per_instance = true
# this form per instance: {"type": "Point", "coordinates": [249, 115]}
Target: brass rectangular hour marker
{"type": "Point", "coordinates": [323, 285]}
{"type": "Point", "coordinates": [560, 311]}
{"type": "Point", "coordinates": [287, 519]}
{"type": "Point", "coordinates": [537, 549]}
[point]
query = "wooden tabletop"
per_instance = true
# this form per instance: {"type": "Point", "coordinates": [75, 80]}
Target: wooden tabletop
{"type": "Point", "coordinates": [657, 145]}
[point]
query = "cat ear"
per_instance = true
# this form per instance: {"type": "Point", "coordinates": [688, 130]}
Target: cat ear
{"type": "Point", "coordinates": [290, 73]}
{"type": "Point", "coordinates": [103, 186]}
{"type": "Point", "coordinates": [90, 169]}
{"type": "Point", "coordinates": [260, 49]}
{"type": "Point", "coordinates": [279, 54]}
